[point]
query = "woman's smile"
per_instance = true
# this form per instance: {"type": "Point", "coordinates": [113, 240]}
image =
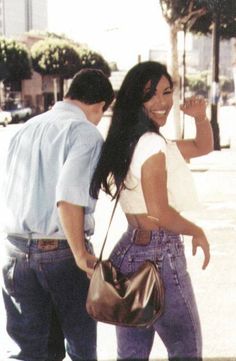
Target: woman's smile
{"type": "Point", "coordinates": [159, 106]}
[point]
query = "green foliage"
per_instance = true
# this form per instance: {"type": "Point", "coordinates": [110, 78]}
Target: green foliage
{"type": "Point", "coordinates": [48, 34]}
{"type": "Point", "coordinates": [60, 57]}
{"type": "Point", "coordinates": [91, 59]}
{"type": "Point", "coordinates": [226, 84]}
{"type": "Point", "coordinates": [197, 84]}
{"type": "Point", "coordinates": [227, 12]}
{"type": "Point", "coordinates": [173, 10]}
{"type": "Point", "coordinates": [186, 10]}
{"type": "Point", "coordinates": [15, 61]}
{"type": "Point", "coordinates": [56, 57]}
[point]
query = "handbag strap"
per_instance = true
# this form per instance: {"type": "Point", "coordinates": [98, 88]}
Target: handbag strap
{"type": "Point", "coordinates": [109, 225]}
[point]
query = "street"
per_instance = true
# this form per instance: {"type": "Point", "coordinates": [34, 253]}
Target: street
{"type": "Point", "coordinates": [215, 288]}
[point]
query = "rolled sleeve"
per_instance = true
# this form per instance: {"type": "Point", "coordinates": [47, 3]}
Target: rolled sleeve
{"type": "Point", "coordinates": [74, 181]}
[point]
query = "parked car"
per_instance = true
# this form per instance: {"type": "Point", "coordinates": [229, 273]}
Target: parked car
{"type": "Point", "coordinates": [19, 112]}
{"type": "Point", "coordinates": [5, 117]}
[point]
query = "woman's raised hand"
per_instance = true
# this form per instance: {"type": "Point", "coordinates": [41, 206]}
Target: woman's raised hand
{"type": "Point", "coordinates": [195, 107]}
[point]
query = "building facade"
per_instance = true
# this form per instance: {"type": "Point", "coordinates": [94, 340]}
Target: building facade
{"type": "Point", "coordinates": [17, 18]}
{"type": "Point", "coordinates": [20, 16]}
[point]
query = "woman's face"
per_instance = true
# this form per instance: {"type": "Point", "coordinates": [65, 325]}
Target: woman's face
{"type": "Point", "coordinates": [160, 104]}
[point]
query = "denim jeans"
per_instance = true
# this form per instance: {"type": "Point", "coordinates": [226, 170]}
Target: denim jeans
{"type": "Point", "coordinates": [56, 347]}
{"type": "Point", "coordinates": [36, 282]}
{"type": "Point", "coordinates": [179, 326]}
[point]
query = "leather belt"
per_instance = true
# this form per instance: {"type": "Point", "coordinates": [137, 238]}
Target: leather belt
{"type": "Point", "coordinates": [44, 244]}
{"type": "Point", "coordinates": [47, 244]}
{"type": "Point", "coordinates": [142, 237]}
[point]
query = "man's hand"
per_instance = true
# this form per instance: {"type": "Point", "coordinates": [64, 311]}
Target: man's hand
{"type": "Point", "coordinates": [201, 241]}
{"type": "Point", "coordinates": [72, 220]}
{"type": "Point", "coordinates": [86, 262]}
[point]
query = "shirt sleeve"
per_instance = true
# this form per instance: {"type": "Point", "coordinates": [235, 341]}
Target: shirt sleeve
{"type": "Point", "coordinates": [148, 145]}
{"type": "Point", "coordinates": [74, 181]}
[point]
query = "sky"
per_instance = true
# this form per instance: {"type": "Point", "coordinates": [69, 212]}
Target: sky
{"type": "Point", "coordinates": [119, 30]}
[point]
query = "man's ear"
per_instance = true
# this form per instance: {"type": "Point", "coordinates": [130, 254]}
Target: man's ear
{"type": "Point", "coordinates": [99, 106]}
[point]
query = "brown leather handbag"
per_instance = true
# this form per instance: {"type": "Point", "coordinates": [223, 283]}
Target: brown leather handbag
{"type": "Point", "coordinates": [136, 300]}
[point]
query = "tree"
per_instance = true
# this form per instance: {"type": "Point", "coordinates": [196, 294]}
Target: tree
{"type": "Point", "coordinates": [197, 84]}
{"type": "Point", "coordinates": [179, 15]}
{"type": "Point", "coordinates": [91, 59]}
{"type": "Point", "coordinates": [220, 19]}
{"type": "Point", "coordinates": [227, 11]}
{"type": "Point", "coordinates": [62, 58]}
{"type": "Point", "coordinates": [15, 63]}
{"type": "Point", "coordinates": [202, 16]}
{"type": "Point", "coordinates": [56, 57]}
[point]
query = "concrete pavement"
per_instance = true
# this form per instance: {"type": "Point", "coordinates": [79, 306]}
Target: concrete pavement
{"type": "Point", "coordinates": [215, 288]}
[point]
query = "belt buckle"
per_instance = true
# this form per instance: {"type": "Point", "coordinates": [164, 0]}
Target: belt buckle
{"type": "Point", "coordinates": [47, 244]}
{"type": "Point", "coordinates": [142, 237]}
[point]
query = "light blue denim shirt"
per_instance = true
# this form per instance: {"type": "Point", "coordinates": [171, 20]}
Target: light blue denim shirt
{"type": "Point", "coordinates": [50, 159]}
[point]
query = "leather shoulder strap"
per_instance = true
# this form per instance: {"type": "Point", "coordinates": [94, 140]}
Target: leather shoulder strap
{"type": "Point", "coordinates": [109, 225]}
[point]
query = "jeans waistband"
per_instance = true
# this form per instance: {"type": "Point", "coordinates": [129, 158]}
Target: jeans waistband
{"type": "Point", "coordinates": [43, 244]}
{"type": "Point", "coordinates": [143, 237]}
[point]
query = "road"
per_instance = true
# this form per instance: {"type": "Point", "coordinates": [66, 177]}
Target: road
{"type": "Point", "coordinates": [215, 288]}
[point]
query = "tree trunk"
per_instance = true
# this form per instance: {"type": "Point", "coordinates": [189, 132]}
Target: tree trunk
{"type": "Point", "coordinates": [2, 98]}
{"type": "Point", "coordinates": [55, 89]}
{"type": "Point", "coordinates": [173, 68]}
{"type": "Point", "coordinates": [234, 64]}
{"type": "Point", "coordinates": [61, 88]}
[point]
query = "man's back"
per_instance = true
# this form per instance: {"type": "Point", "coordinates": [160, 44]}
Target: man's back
{"type": "Point", "coordinates": [45, 157]}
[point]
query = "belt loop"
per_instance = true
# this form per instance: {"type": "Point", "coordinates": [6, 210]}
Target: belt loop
{"type": "Point", "coordinates": [134, 233]}
{"type": "Point", "coordinates": [29, 239]}
{"type": "Point", "coordinates": [28, 245]}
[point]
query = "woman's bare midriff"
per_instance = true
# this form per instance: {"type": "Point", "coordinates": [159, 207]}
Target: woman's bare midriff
{"type": "Point", "coordinates": [141, 221]}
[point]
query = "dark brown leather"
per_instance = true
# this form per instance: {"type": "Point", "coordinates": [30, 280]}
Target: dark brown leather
{"type": "Point", "coordinates": [137, 300]}
{"type": "Point", "coordinates": [47, 244]}
{"type": "Point", "coordinates": [142, 237]}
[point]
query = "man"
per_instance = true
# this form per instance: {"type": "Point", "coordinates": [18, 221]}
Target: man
{"type": "Point", "coordinates": [49, 219]}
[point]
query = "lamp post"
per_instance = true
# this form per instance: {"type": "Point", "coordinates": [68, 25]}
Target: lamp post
{"type": "Point", "coordinates": [215, 92]}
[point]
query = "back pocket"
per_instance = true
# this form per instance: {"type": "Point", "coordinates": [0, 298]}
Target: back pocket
{"type": "Point", "coordinates": [8, 270]}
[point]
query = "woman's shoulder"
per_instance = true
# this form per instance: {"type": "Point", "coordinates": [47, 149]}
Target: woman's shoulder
{"type": "Point", "coordinates": [149, 144]}
{"type": "Point", "coordinates": [152, 140]}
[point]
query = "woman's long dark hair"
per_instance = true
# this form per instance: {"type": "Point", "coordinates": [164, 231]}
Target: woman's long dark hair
{"type": "Point", "coordinates": [129, 122]}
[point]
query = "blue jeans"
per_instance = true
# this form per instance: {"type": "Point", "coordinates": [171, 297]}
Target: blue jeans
{"type": "Point", "coordinates": [179, 326]}
{"type": "Point", "coordinates": [36, 282]}
{"type": "Point", "coordinates": [56, 346]}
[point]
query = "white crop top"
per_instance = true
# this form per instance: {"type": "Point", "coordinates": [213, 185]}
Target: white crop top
{"type": "Point", "coordinates": [180, 186]}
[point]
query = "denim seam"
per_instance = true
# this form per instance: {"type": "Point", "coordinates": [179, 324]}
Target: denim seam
{"type": "Point", "coordinates": [190, 314]}
{"type": "Point", "coordinates": [179, 286]}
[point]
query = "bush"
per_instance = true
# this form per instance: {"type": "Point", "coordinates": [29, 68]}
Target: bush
{"type": "Point", "coordinates": [197, 84]}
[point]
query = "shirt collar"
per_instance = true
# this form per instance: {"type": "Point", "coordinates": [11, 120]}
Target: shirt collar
{"type": "Point", "coordinates": [65, 106]}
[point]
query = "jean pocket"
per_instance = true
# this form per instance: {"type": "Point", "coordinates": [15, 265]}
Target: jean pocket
{"type": "Point", "coordinates": [135, 260]}
{"type": "Point", "coordinates": [8, 270]}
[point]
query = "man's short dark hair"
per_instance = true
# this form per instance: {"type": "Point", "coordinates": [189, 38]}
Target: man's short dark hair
{"type": "Point", "coordinates": [91, 86]}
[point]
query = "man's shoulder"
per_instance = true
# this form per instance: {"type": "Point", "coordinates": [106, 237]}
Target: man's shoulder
{"type": "Point", "coordinates": [86, 131]}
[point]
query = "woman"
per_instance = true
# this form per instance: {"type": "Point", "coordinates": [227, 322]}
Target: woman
{"type": "Point", "coordinates": [155, 189]}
